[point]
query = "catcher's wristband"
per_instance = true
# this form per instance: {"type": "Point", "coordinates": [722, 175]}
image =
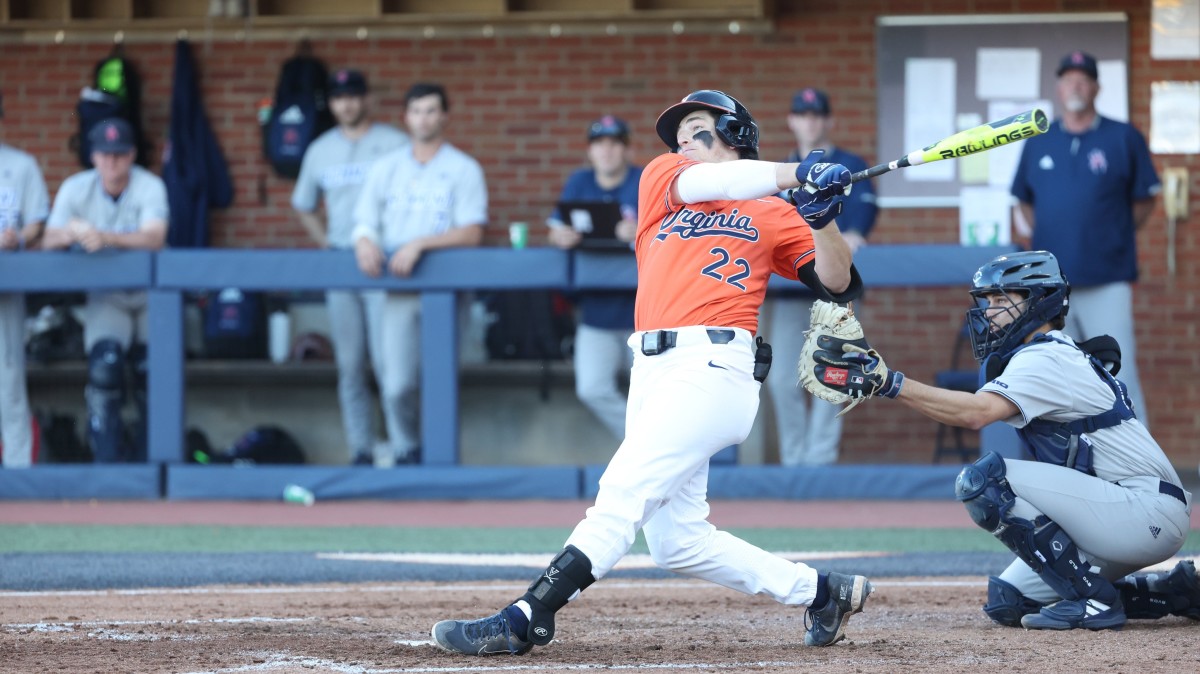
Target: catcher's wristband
{"type": "Point", "coordinates": [892, 385]}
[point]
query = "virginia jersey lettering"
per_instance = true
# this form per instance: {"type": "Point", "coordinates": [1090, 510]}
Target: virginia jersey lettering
{"type": "Point", "coordinates": [709, 262]}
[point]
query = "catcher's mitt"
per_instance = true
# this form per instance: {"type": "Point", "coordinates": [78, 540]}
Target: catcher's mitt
{"type": "Point", "coordinates": [837, 364]}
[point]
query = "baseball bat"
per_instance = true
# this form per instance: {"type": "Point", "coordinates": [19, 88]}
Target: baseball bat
{"type": "Point", "coordinates": [978, 139]}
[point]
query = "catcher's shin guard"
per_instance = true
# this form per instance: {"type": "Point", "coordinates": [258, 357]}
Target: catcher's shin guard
{"type": "Point", "coordinates": [568, 574]}
{"type": "Point", "coordinates": [1006, 605]}
{"type": "Point", "coordinates": [1040, 543]}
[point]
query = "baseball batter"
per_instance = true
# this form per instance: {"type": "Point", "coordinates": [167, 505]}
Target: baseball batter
{"type": "Point", "coordinates": [710, 234]}
{"type": "Point", "coordinates": [24, 204]}
{"type": "Point", "coordinates": [1099, 501]}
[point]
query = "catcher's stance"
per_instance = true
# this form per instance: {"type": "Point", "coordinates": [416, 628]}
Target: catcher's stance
{"type": "Point", "coordinates": [709, 236]}
{"type": "Point", "coordinates": [1100, 501]}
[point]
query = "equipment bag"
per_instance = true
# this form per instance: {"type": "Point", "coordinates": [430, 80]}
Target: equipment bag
{"type": "Point", "coordinates": [235, 325]}
{"type": "Point", "coordinates": [116, 91]}
{"type": "Point", "coordinates": [298, 114]}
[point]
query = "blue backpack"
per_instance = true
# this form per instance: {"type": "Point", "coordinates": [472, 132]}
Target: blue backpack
{"type": "Point", "coordinates": [235, 325]}
{"type": "Point", "coordinates": [298, 115]}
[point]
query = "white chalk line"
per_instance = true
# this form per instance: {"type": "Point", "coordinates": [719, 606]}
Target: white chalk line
{"type": "Point", "coordinates": [282, 661]}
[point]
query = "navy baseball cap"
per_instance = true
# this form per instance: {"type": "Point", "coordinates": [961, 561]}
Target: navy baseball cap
{"type": "Point", "coordinates": [111, 136]}
{"type": "Point", "coordinates": [810, 100]}
{"type": "Point", "coordinates": [1078, 60]}
{"type": "Point", "coordinates": [346, 82]}
{"type": "Point", "coordinates": [609, 126]}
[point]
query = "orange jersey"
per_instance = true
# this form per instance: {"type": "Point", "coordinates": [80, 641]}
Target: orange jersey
{"type": "Point", "coordinates": [708, 263]}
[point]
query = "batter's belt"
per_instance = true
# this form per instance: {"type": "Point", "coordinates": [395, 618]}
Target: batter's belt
{"type": "Point", "coordinates": [655, 342]}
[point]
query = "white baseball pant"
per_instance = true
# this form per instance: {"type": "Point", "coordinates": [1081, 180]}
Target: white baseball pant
{"type": "Point", "coordinates": [354, 327]}
{"type": "Point", "coordinates": [15, 428]}
{"type": "Point", "coordinates": [685, 405]}
{"type": "Point", "coordinates": [115, 315]}
{"type": "Point", "coordinates": [400, 349]}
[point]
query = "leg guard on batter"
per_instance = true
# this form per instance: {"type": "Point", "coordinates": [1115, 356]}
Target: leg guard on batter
{"type": "Point", "coordinates": [1040, 543]}
{"type": "Point", "coordinates": [105, 395]}
{"type": "Point", "coordinates": [1006, 605]}
{"type": "Point", "coordinates": [1157, 595]}
{"type": "Point", "coordinates": [568, 574]}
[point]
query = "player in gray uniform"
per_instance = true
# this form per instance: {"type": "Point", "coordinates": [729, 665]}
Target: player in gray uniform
{"type": "Point", "coordinates": [1099, 501]}
{"type": "Point", "coordinates": [115, 205]}
{"type": "Point", "coordinates": [24, 204]}
{"type": "Point", "coordinates": [334, 169]}
{"type": "Point", "coordinates": [426, 196]}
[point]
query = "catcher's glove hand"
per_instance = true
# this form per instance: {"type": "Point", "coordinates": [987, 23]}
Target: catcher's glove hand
{"type": "Point", "coordinates": [837, 364]}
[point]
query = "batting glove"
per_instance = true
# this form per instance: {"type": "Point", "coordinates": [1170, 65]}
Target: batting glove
{"type": "Point", "coordinates": [822, 190]}
{"type": "Point", "coordinates": [820, 180]}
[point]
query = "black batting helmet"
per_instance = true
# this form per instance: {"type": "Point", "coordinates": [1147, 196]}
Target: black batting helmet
{"type": "Point", "coordinates": [735, 125]}
{"type": "Point", "coordinates": [1037, 278]}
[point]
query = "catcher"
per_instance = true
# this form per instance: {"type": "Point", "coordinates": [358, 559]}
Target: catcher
{"type": "Point", "coordinates": [1099, 501]}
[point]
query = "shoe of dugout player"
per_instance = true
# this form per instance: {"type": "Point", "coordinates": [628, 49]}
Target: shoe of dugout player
{"type": "Point", "coordinates": [827, 625]}
{"type": "Point", "coordinates": [1070, 614]}
{"type": "Point", "coordinates": [486, 636]}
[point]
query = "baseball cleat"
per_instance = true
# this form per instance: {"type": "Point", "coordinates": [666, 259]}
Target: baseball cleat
{"type": "Point", "coordinates": [827, 625]}
{"type": "Point", "coordinates": [486, 636]}
{"type": "Point", "coordinates": [1070, 614]}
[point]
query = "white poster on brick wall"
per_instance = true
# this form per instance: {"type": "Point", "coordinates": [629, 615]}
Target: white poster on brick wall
{"type": "Point", "coordinates": [1175, 29]}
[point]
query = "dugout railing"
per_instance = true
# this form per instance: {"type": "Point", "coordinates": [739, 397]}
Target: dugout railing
{"type": "Point", "coordinates": [168, 275]}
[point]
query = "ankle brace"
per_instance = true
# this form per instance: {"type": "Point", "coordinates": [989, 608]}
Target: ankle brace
{"type": "Point", "coordinates": [568, 574]}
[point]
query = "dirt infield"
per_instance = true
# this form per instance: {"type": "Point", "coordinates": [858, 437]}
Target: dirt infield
{"type": "Point", "coordinates": [925, 625]}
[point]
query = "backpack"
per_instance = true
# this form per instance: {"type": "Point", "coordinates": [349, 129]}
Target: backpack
{"type": "Point", "coordinates": [235, 325]}
{"type": "Point", "coordinates": [116, 91]}
{"type": "Point", "coordinates": [298, 114]}
{"type": "Point", "coordinates": [529, 325]}
{"type": "Point", "coordinates": [266, 444]}
{"type": "Point", "coordinates": [60, 439]}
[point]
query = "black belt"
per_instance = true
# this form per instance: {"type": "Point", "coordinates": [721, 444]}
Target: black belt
{"type": "Point", "coordinates": [1171, 490]}
{"type": "Point", "coordinates": [655, 342]}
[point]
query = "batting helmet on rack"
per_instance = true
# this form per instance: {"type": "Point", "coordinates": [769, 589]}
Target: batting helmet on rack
{"type": "Point", "coordinates": [735, 125]}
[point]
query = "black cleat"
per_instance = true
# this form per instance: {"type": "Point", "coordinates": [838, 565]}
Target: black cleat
{"type": "Point", "coordinates": [847, 594]}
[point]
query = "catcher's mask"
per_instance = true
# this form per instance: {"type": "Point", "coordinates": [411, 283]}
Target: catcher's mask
{"type": "Point", "coordinates": [735, 125]}
{"type": "Point", "coordinates": [1038, 290]}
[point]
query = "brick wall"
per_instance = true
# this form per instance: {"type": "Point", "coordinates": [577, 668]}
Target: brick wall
{"type": "Point", "coordinates": [521, 107]}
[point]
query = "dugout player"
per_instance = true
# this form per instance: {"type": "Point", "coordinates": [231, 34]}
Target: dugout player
{"type": "Point", "coordinates": [1099, 501]}
{"type": "Point", "coordinates": [24, 204]}
{"type": "Point", "coordinates": [605, 318]}
{"type": "Point", "coordinates": [1085, 187]}
{"type": "Point", "coordinates": [809, 429]}
{"type": "Point", "coordinates": [710, 234]}
{"type": "Point", "coordinates": [115, 205]}
{"type": "Point", "coordinates": [334, 169]}
{"type": "Point", "coordinates": [425, 196]}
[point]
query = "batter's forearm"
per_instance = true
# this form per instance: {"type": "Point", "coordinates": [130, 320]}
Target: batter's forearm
{"type": "Point", "coordinates": [833, 258]}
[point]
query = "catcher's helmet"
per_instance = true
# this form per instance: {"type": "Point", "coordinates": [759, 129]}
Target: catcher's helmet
{"type": "Point", "coordinates": [735, 126]}
{"type": "Point", "coordinates": [1037, 279]}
